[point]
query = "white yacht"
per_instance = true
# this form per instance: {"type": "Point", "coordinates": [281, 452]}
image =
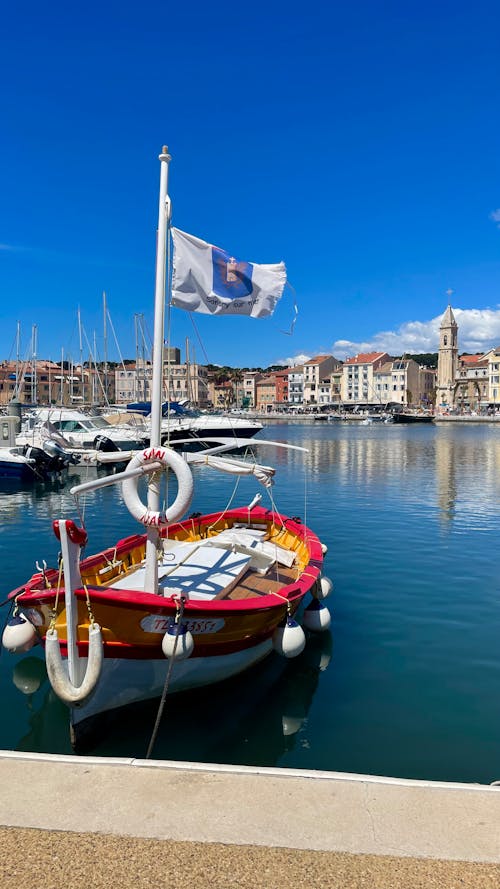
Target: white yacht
{"type": "Point", "coordinates": [83, 431]}
{"type": "Point", "coordinates": [179, 421]}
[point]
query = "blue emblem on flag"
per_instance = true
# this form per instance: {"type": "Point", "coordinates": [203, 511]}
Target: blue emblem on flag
{"type": "Point", "coordinates": [231, 278]}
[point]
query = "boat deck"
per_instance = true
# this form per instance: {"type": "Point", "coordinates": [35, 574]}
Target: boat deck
{"type": "Point", "coordinates": [253, 584]}
{"type": "Point", "coordinates": [248, 584]}
{"type": "Point", "coordinates": [207, 572]}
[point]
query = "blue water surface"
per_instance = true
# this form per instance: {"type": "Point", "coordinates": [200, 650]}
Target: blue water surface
{"type": "Point", "coordinates": [406, 683]}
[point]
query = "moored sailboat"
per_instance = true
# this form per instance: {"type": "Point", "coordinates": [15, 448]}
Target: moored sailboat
{"type": "Point", "coordinates": [191, 601]}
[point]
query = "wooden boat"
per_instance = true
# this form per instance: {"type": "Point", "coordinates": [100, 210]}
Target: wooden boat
{"type": "Point", "coordinates": [188, 603]}
{"type": "Point", "coordinates": [229, 580]}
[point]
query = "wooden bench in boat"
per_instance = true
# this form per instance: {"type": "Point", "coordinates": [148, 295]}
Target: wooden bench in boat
{"type": "Point", "coordinates": [230, 565]}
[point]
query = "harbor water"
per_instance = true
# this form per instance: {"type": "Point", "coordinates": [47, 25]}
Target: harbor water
{"type": "Point", "coordinates": [406, 682]}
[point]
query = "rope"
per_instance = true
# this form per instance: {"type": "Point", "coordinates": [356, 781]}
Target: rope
{"type": "Point", "coordinates": [89, 607]}
{"type": "Point", "coordinates": [56, 601]}
{"type": "Point", "coordinates": [233, 495]}
{"type": "Point", "coordinates": [80, 511]}
{"type": "Point", "coordinates": [161, 707]}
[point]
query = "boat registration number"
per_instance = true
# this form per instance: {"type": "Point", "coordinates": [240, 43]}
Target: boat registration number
{"type": "Point", "coordinates": [156, 623]}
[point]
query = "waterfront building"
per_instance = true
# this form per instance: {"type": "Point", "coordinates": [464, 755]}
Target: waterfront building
{"type": "Point", "coordinates": [427, 385]}
{"type": "Point", "coordinates": [296, 386]}
{"type": "Point", "coordinates": [402, 381]}
{"type": "Point", "coordinates": [493, 357]}
{"type": "Point", "coordinates": [133, 382]}
{"type": "Point", "coordinates": [220, 393]}
{"type": "Point", "coordinates": [358, 383]}
{"type": "Point", "coordinates": [470, 389]}
{"type": "Point", "coordinates": [336, 386]}
{"type": "Point", "coordinates": [266, 394]}
{"type": "Point", "coordinates": [316, 370]}
{"type": "Point", "coordinates": [43, 382]}
{"type": "Point", "coordinates": [281, 378]}
{"type": "Point", "coordinates": [465, 383]}
{"type": "Point", "coordinates": [325, 392]}
{"type": "Point", "coordinates": [187, 382]}
{"type": "Point", "coordinates": [250, 379]}
{"type": "Point", "coordinates": [182, 382]}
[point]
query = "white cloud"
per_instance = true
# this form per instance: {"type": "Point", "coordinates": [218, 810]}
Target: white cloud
{"type": "Point", "coordinates": [495, 216]}
{"type": "Point", "coordinates": [292, 362]}
{"type": "Point", "coordinates": [478, 331]}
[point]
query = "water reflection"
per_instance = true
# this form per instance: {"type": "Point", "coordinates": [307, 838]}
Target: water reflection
{"type": "Point", "coordinates": [411, 520]}
{"type": "Point", "coordinates": [256, 718]}
{"type": "Point", "coordinates": [454, 469]}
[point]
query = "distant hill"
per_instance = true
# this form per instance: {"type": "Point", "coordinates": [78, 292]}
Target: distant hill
{"type": "Point", "coordinates": [427, 359]}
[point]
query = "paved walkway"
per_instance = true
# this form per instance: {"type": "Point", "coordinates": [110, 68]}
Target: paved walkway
{"type": "Point", "coordinates": [67, 821]}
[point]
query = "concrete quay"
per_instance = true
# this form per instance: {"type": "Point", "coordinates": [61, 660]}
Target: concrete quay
{"type": "Point", "coordinates": [64, 820]}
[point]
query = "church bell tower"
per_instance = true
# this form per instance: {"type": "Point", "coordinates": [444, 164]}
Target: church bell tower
{"type": "Point", "coordinates": [447, 362]}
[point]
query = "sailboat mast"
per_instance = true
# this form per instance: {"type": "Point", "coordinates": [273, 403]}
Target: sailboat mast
{"type": "Point", "coordinates": [151, 573]}
{"type": "Point", "coordinates": [33, 363]}
{"type": "Point", "coordinates": [18, 350]}
{"type": "Point", "coordinates": [61, 393]}
{"type": "Point", "coordinates": [105, 335]}
{"type": "Point", "coordinates": [81, 357]}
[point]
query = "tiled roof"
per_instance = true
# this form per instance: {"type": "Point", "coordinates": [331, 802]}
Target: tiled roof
{"type": "Point", "coordinates": [318, 359]}
{"type": "Point", "coordinates": [471, 359]}
{"type": "Point", "coordinates": [364, 358]}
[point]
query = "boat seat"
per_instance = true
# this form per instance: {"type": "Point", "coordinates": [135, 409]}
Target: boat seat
{"type": "Point", "coordinates": [193, 570]}
{"type": "Point", "coordinates": [207, 572]}
{"type": "Point", "coordinates": [264, 552]}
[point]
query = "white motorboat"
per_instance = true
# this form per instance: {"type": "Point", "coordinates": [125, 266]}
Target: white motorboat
{"type": "Point", "coordinates": [179, 421]}
{"type": "Point", "coordinates": [82, 431]}
{"type": "Point", "coordinates": [27, 462]}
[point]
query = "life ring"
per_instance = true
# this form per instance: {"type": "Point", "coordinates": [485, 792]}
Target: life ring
{"type": "Point", "coordinates": [170, 460]}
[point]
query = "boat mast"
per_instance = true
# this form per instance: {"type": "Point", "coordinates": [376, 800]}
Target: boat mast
{"type": "Point", "coordinates": [81, 359]}
{"type": "Point", "coordinates": [188, 386]}
{"type": "Point", "coordinates": [137, 388]}
{"type": "Point", "coordinates": [18, 349]}
{"type": "Point", "coordinates": [95, 399]}
{"type": "Point", "coordinates": [105, 335]}
{"type": "Point", "coordinates": [61, 392]}
{"type": "Point", "coordinates": [33, 363]}
{"type": "Point", "coordinates": [151, 574]}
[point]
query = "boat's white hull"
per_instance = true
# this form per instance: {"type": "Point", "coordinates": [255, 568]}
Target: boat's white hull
{"type": "Point", "coordinates": [14, 465]}
{"type": "Point", "coordinates": [123, 682]}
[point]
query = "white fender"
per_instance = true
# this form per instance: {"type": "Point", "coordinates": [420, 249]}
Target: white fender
{"type": "Point", "coordinates": [289, 638]}
{"type": "Point", "coordinates": [323, 588]}
{"type": "Point", "coordinates": [57, 669]}
{"type": "Point", "coordinates": [185, 642]}
{"type": "Point", "coordinates": [19, 634]}
{"type": "Point", "coordinates": [170, 460]}
{"type": "Point", "coordinates": [316, 617]}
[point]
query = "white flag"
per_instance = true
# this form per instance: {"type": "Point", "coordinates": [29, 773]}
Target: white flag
{"type": "Point", "coordinates": [207, 279]}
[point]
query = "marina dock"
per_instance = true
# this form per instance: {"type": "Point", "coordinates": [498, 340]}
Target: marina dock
{"type": "Point", "coordinates": [65, 821]}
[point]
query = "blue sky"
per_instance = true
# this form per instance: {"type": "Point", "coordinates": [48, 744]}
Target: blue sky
{"type": "Point", "coordinates": [357, 142]}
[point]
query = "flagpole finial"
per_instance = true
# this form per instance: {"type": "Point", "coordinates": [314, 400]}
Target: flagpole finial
{"type": "Point", "coordinates": [165, 156]}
